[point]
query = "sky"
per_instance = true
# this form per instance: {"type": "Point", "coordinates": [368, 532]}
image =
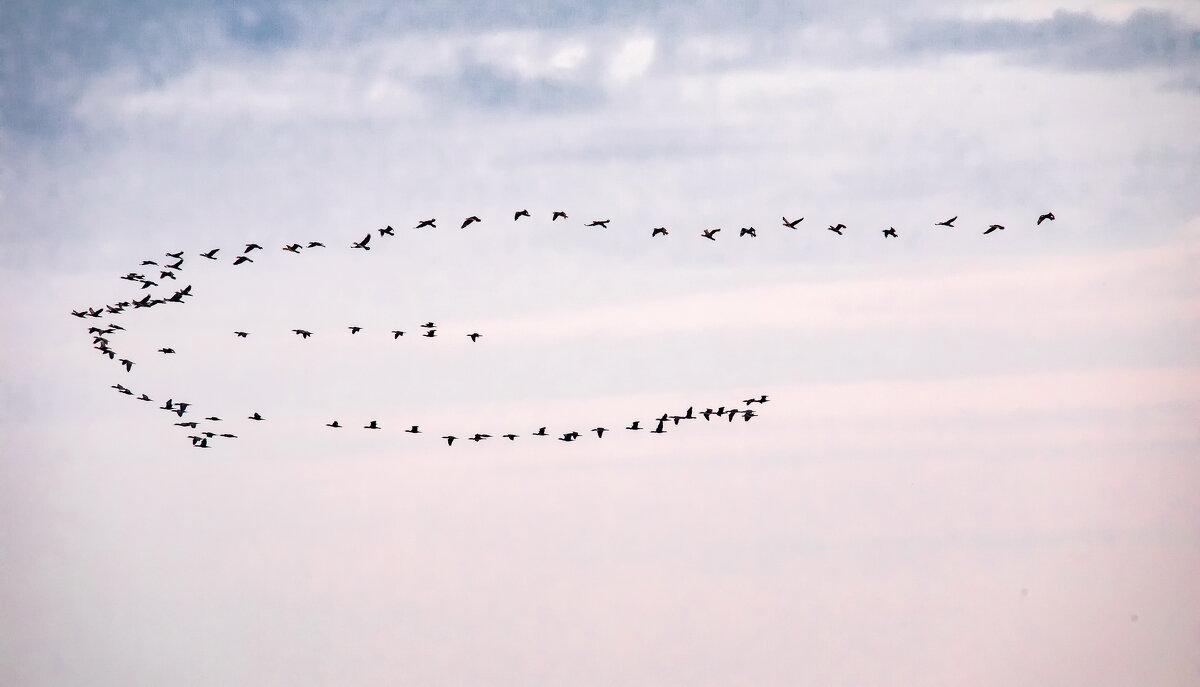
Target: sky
{"type": "Point", "coordinates": [977, 464]}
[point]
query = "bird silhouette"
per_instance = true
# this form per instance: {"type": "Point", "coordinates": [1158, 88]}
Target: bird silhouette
{"type": "Point", "coordinates": [636, 424]}
{"type": "Point", "coordinates": [293, 248]}
{"type": "Point", "coordinates": [760, 399]}
{"type": "Point", "coordinates": [178, 255]}
{"type": "Point", "coordinates": [747, 414]}
{"type": "Point", "coordinates": [229, 436]}
{"type": "Point", "coordinates": [374, 425]}
{"type": "Point", "coordinates": [256, 416]}
{"type": "Point", "coordinates": [413, 430]}
{"type": "Point", "coordinates": [387, 231]}
{"type": "Point", "coordinates": [837, 229]}
{"type": "Point", "coordinates": [657, 231]}
{"type": "Point", "coordinates": [519, 214]}
{"type": "Point", "coordinates": [213, 418]}
{"type": "Point", "coordinates": [710, 234]}
{"type": "Point", "coordinates": [166, 274]}
{"type": "Point", "coordinates": [211, 255]}
{"type": "Point", "coordinates": [557, 214]}
{"type": "Point", "coordinates": [177, 265]}
{"type": "Point", "coordinates": [127, 363]}
{"type": "Point", "coordinates": [396, 333]}
{"type": "Point", "coordinates": [947, 223]}
{"type": "Point", "coordinates": [469, 221]}
{"type": "Point", "coordinates": [450, 440]}
{"type": "Point", "coordinates": [146, 283]}
{"type": "Point", "coordinates": [1047, 216]}
{"type": "Point", "coordinates": [144, 397]}
{"type": "Point", "coordinates": [242, 335]}
{"type": "Point", "coordinates": [541, 432]}
{"type": "Point", "coordinates": [600, 431]}
{"type": "Point", "coordinates": [304, 333]}
{"type": "Point", "coordinates": [430, 334]}
{"type": "Point", "coordinates": [599, 223]}
{"type": "Point", "coordinates": [149, 262]}
{"type": "Point", "coordinates": [569, 436]}
{"type": "Point", "coordinates": [334, 424]}
{"type": "Point", "coordinates": [166, 350]}
{"type": "Point", "coordinates": [354, 330]}
{"type": "Point", "coordinates": [510, 437]}
{"type": "Point", "coordinates": [748, 231]}
{"type": "Point", "coordinates": [427, 223]}
{"type": "Point", "coordinates": [479, 437]}
{"type": "Point", "coordinates": [890, 231]}
{"type": "Point", "coordinates": [474, 336]}
{"type": "Point", "coordinates": [315, 244]}
{"type": "Point", "coordinates": [659, 429]}
{"type": "Point", "coordinates": [993, 227]}
{"type": "Point", "coordinates": [241, 259]}
{"type": "Point", "coordinates": [186, 424]}
{"type": "Point", "coordinates": [252, 246]}
{"type": "Point", "coordinates": [363, 244]}
{"type": "Point", "coordinates": [792, 224]}
{"type": "Point", "coordinates": [429, 325]}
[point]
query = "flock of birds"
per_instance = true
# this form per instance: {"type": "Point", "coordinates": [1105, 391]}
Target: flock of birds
{"type": "Point", "coordinates": [171, 271]}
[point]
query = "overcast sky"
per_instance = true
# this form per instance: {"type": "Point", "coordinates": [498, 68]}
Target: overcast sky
{"type": "Point", "coordinates": [977, 465]}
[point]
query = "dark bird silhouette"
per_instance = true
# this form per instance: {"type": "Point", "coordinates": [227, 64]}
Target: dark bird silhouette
{"type": "Point", "coordinates": [748, 231]}
{"type": "Point", "coordinates": [127, 363]}
{"type": "Point", "coordinates": [119, 387]}
{"type": "Point", "coordinates": [78, 313]}
{"type": "Point", "coordinates": [177, 265]}
{"type": "Point", "coordinates": [427, 223]}
{"type": "Point", "coordinates": [557, 214]}
{"type": "Point", "coordinates": [256, 416]}
{"type": "Point", "coordinates": [149, 262]}
{"type": "Point", "coordinates": [510, 437]}
{"type": "Point", "coordinates": [334, 424]}
{"type": "Point", "coordinates": [993, 227]}
{"type": "Point", "coordinates": [229, 436]}
{"type": "Point", "coordinates": [166, 274]}
{"type": "Point", "coordinates": [213, 418]}
{"type": "Point", "coordinates": [144, 397]}
{"type": "Point", "coordinates": [116, 326]}
{"type": "Point", "coordinates": [169, 405]}
{"type": "Point", "coordinates": [890, 231]}
{"type": "Point", "coordinates": [658, 231]}
{"type": "Point", "coordinates": [315, 244]}
{"type": "Point", "coordinates": [413, 430]}
{"type": "Point", "coordinates": [479, 437]}
{"type": "Point", "coordinates": [304, 333]}
{"type": "Point", "coordinates": [469, 221]}
{"type": "Point", "coordinates": [362, 244]}
{"type": "Point", "coordinates": [203, 443]}
{"type": "Point", "coordinates": [760, 399]}
{"type": "Point", "coordinates": [636, 424]}
{"type": "Point", "coordinates": [252, 246]}
{"type": "Point", "coordinates": [387, 231]}
{"type": "Point", "coordinates": [240, 259]}
{"type": "Point", "coordinates": [354, 330]}
{"type": "Point", "coordinates": [707, 413]}
{"type": "Point", "coordinates": [429, 325]}
{"type": "Point", "coordinates": [599, 223]}
{"type": "Point", "coordinates": [1047, 216]}
{"type": "Point", "coordinates": [146, 283]}
{"type": "Point", "coordinates": [186, 424]}
{"type": "Point", "coordinates": [747, 414]}
{"type": "Point", "coordinates": [242, 334]}
{"type": "Point", "coordinates": [166, 350]}
{"type": "Point", "coordinates": [211, 255]}
{"type": "Point", "coordinates": [181, 408]}
{"type": "Point", "coordinates": [541, 432]}
{"type": "Point", "coordinates": [293, 248]}
{"type": "Point", "coordinates": [659, 429]}
{"type": "Point", "coordinates": [732, 414]}
{"type": "Point", "coordinates": [837, 229]}
{"type": "Point", "coordinates": [569, 436]}
{"type": "Point", "coordinates": [177, 255]}
{"type": "Point", "coordinates": [396, 333]}
{"type": "Point", "coordinates": [710, 234]}
{"type": "Point", "coordinates": [450, 440]}
{"type": "Point", "coordinates": [947, 223]}
{"type": "Point", "coordinates": [599, 431]}
{"type": "Point", "coordinates": [430, 334]}
{"type": "Point", "coordinates": [792, 224]}
{"type": "Point", "coordinates": [519, 214]}
{"type": "Point", "coordinates": [374, 425]}
{"type": "Point", "coordinates": [474, 336]}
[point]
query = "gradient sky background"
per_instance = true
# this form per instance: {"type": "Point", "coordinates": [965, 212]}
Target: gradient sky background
{"type": "Point", "coordinates": [979, 464]}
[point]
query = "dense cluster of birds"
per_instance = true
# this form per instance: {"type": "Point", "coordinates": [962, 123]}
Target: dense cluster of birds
{"type": "Point", "coordinates": [172, 269]}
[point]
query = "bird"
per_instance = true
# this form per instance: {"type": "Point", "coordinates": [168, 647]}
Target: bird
{"type": "Point", "coordinates": [710, 234]}
{"type": "Point", "coordinates": [211, 255]}
{"type": "Point", "coordinates": [947, 223]}
{"type": "Point", "coordinates": [186, 424]}
{"type": "Point", "coordinates": [334, 424]}
{"type": "Point", "coordinates": [792, 224]}
{"type": "Point", "coordinates": [177, 265]}
{"type": "Point", "coordinates": [146, 283]}
{"type": "Point", "coordinates": [177, 255]}
{"type": "Point", "coordinates": [166, 350]}
{"type": "Point", "coordinates": [293, 248]}
{"type": "Point", "coordinates": [396, 333]}
{"type": "Point", "coordinates": [429, 325]}
{"type": "Point", "coordinates": [374, 425]}
{"type": "Point", "coordinates": [469, 221]}
{"type": "Point", "coordinates": [540, 433]}
{"type": "Point", "coordinates": [450, 440]}
{"type": "Point", "coordinates": [430, 334]}
{"type": "Point", "coordinates": [166, 274]}
{"type": "Point", "coordinates": [427, 223]}
{"type": "Point", "coordinates": [149, 262]}
{"type": "Point", "coordinates": [707, 413]}
{"type": "Point", "coordinates": [557, 214]}
{"type": "Point", "coordinates": [603, 223]}
{"type": "Point", "coordinates": [213, 418]}
{"type": "Point", "coordinates": [127, 363]}
{"type": "Point", "coordinates": [634, 425]}
{"type": "Point", "coordinates": [519, 214]}
{"type": "Point", "coordinates": [229, 436]}
{"type": "Point", "coordinates": [354, 330]}
{"type": "Point", "coordinates": [252, 246]}
{"type": "Point", "coordinates": [144, 397]}
{"type": "Point", "coordinates": [890, 231]}
{"type": "Point", "coordinates": [659, 429]}
{"type": "Point", "coordinates": [209, 434]}
{"type": "Point", "coordinates": [510, 437]}
{"type": "Point", "coordinates": [1047, 216]}
{"type": "Point", "coordinates": [180, 408]}
{"type": "Point", "coordinates": [304, 333]}
{"type": "Point", "coordinates": [240, 259]}
{"type": "Point", "coordinates": [656, 231]}
{"type": "Point", "coordinates": [747, 414]}
{"type": "Point", "coordinates": [748, 231]}
{"type": "Point", "coordinates": [760, 399]}
{"type": "Point", "coordinates": [256, 416]}
{"type": "Point", "coordinates": [363, 244]}
{"type": "Point", "coordinates": [479, 437]}
{"type": "Point", "coordinates": [242, 335]}
{"type": "Point", "coordinates": [387, 231]}
{"type": "Point", "coordinates": [837, 229]}
{"type": "Point", "coordinates": [599, 431]}
{"type": "Point", "coordinates": [413, 430]}
{"type": "Point", "coordinates": [315, 244]}
{"type": "Point", "coordinates": [569, 436]}
{"type": "Point", "coordinates": [203, 443]}
{"type": "Point", "coordinates": [169, 405]}
{"type": "Point", "coordinates": [474, 336]}
{"type": "Point", "coordinates": [993, 227]}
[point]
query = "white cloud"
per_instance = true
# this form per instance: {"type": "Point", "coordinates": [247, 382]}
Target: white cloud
{"type": "Point", "coordinates": [633, 59]}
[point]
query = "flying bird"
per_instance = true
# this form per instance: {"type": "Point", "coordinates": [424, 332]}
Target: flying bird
{"type": "Point", "coordinates": [541, 432]}
{"type": "Point", "coordinates": [430, 334]}
{"type": "Point", "coordinates": [748, 231]}
{"type": "Point", "coordinates": [334, 424]}
{"type": "Point", "coordinates": [413, 430]}
{"type": "Point", "coordinates": [127, 363]}
{"type": "Point", "coordinates": [252, 246]}
{"type": "Point", "coordinates": [656, 231]}
{"type": "Point", "coordinates": [363, 244]}
{"type": "Point", "coordinates": [177, 255]}
{"type": "Point", "coordinates": [474, 336]}
{"type": "Point", "coordinates": [315, 244]}
{"type": "Point", "coordinates": [1047, 216]}
{"type": "Point", "coordinates": [177, 265]}
{"type": "Point", "coordinates": [396, 333]}
{"type": "Point", "coordinates": [519, 214]}
{"type": "Point", "coordinates": [213, 418]}
{"type": "Point", "coordinates": [354, 330]}
{"type": "Point", "coordinates": [256, 416]}
{"type": "Point", "coordinates": [792, 224]}
{"type": "Point", "coordinates": [557, 214]}
{"type": "Point", "coordinates": [144, 397]}
{"type": "Point", "coordinates": [242, 334]}
{"type": "Point", "coordinates": [634, 425]}
{"type": "Point", "coordinates": [373, 425]}
{"type": "Point", "coordinates": [837, 229]}
{"type": "Point", "coordinates": [293, 248]}
{"type": "Point", "coordinates": [947, 223]}
{"type": "Point", "coordinates": [429, 325]}
{"type": "Point", "coordinates": [890, 231]}
{"type": "Point", "coordinates": [166, 274]}
{"type": "Point", "coordinates": [510, 437]}
{"type": "Point", "coordinates": [186, 424]}
{"type": "Point", "coordinates": [304, 333]}
{"type": "Point", "coordinates": [993, 227]}
{"type": "Point", "coordinates": [569, 436]}
{"type": "Point", "coordinates": [166, 350]}
{"type": "Point", "coordinates": [710, 234]}
{"type": "Point", "coordinates": [600, 431]}
{"type": "Point", "coordinates": [211, 255]}
{"type": "Point", "coordinates": [240, 259]}
{"type": "Point", "coordinates": [659, 429]}
{"type": "Point", "coordinates": [387, 231]}
{"type": "Point", "coordinates": [229, 436]}
{"type": "Point", "coordinates": [469, 221]}
{"type": "Point", "coordinates": [599, 223]}
{"type": "Point", "coordinates": [427, 223]}
{"type": "Point", "coordinates": [479, 437]}
{"type": "Point", "coordinates": [760, 399]}
{"type": "Point", "coordinates": [149, 262]}
{"type": "Point", "coordinates": [450, 440]}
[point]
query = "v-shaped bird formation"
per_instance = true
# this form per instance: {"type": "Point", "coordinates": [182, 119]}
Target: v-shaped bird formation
{"type": "Point", "coordinates": [101, 336]}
